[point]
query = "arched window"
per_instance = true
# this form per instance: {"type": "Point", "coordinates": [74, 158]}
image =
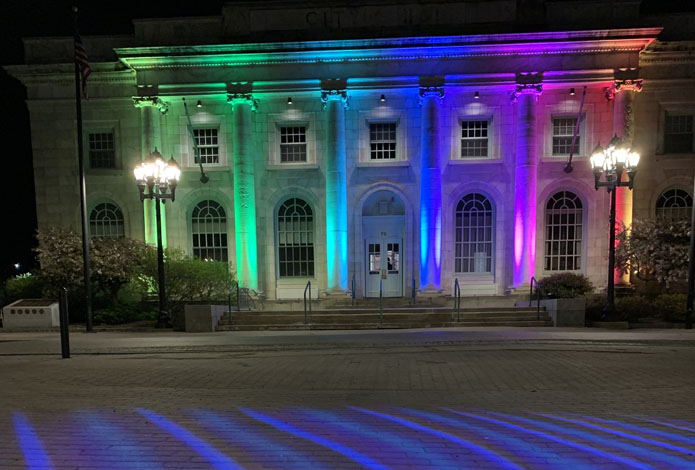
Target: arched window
{"type": "Point", "coordinates": [674, 204]}
{"type": "Point", "coordinates": [474, 234]}
{"type": "Point", "coordinates": [209, 231]}
{"type": "Point", "coordinates": [295, 238]}
{"type": "Point", "coordinates": [106, 220]}
{"type": "Point", "coordinates": [563, 232]}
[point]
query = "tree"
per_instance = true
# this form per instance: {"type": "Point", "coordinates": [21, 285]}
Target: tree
{"type": "Point", "coordinates": [113, 261]}
{"type": "Point", "coordinates": [655, 249]}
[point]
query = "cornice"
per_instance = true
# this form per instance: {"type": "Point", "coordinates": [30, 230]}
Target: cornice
{"type": "Point", "coordinates": [399, 49]}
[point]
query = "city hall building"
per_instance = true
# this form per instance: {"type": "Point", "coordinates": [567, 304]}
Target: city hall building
{"type": "Point", "coordinates": [396, 145]}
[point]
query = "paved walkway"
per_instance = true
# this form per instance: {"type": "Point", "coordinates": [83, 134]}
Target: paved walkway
{"type": "Point", "coordinates": [479, 398]}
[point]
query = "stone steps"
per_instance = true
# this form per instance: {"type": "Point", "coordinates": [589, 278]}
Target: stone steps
{"type": "Point", "coordinates": [391, 318]}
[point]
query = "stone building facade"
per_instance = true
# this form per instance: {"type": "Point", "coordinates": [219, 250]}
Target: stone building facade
{"type": "Point", "coordinates": [398, 145]}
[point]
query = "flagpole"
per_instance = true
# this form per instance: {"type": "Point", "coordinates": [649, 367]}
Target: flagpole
{"type": "Point", "coordinates": [83, 188]}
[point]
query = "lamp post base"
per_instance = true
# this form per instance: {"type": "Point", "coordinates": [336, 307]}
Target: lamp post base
{"type": "Point", "coordinates": [163, 320]}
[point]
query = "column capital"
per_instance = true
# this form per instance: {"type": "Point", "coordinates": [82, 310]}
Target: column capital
{"type": "Point", "coordinates": [624, 80]}
{"type": "Point", "coordinates": [241, 93]}
{"type": "Point", "coordinates": [527, 83]}
{"type": "Point", "coordinates": [430, 92]}
{"type": "Point", "coordinates": [153, 101]}
{"type": "Point", "coordinates": [330, 95]}
{"type": "Point", "coordinates": [242, 98]}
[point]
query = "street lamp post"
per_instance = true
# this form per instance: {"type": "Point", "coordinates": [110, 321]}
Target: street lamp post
{"type": "Point", "coordinates": [157, 180]}
{"type": "Point", "coordinates": [611, 162]}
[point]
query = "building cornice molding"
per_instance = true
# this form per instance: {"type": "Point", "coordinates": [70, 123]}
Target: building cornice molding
{"type": "Point", "coordinates": [399, 49]}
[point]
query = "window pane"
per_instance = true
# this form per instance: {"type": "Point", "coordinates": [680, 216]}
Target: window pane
{"type": "Point", "coordinates": [295, 228]}
{"type": "Point", "coordinates": [209, 231]}
{"type": "Point", "coordinates": [102, 151]}
{"type": "Point", "coordinates": [106, 220]}
{"type": "Point", "coordinates": [474, 234]}
{"type": "Point", "coordinates": [563, 232]}
{"type": "Point", "coordinates": [206, 140]}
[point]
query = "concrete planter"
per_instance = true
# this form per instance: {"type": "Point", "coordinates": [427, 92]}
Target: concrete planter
{"type": "Point", "coordinates": [203, 318]}
{"type": "Point", "coordinates": [566, 312]}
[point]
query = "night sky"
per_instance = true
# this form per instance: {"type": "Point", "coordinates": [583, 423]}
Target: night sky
{"type": "Point", "coordinates": [30, 18]}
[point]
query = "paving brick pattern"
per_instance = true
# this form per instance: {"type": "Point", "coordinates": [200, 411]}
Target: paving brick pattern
{"type": "Point", "coordinates": [496, 399]}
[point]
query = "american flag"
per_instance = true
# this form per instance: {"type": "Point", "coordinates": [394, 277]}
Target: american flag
{"type": "Point", "coordinates": [82, 62]}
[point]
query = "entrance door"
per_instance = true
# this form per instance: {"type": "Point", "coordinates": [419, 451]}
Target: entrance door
{"type": "Point", "coordinates": [384, 265]}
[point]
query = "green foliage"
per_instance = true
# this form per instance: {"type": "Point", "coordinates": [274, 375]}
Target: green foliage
{"type": "Point", "coordinates": [565, 286]}
{"type": "Point", "coordinates": [655, 249]}
{"type": "Point", "coordinates": [188, 279]}
{"type": "Point", "coordinates": [60, 257]}
{"type": "Point", "coordinates": [123, 313]}
{"type": "Point", "coordinates": [113, 261]}
{"type": "Point", "coordinates": [23, 286]}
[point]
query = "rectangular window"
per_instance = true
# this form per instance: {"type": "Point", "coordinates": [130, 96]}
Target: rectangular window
{"type": "Point", "coordinates": [102, 152]}
{"type": "Point", "coordinates": [382, 141]}
{"type": "Point", "coordinates": [678, 133]}
{"type": "Point", "coordinates": [474, 139]}
{"type": "Point", "coordinates": [292, 144]}
{"type": "Point", "coordinates": [208, 145]}
{"type": "Point", "coordinates": [374, 258]}
{"type": "Point", "coordinates": [563, 132]}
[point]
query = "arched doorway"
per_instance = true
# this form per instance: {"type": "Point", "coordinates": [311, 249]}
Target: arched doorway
{"type": "Point", "coordinates": [383, 223]}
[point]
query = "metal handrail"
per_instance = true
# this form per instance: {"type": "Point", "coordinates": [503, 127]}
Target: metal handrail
{"type": "Point", "coordinates": [457, 299]}
{"type": "Point", "coordinates": [381, 297]}
{"type": "Point", "coordinates": [538, 297]}
{"type": "Point", "coordinates": [414, 292]}
{"type": "Point", "coordinates": [353, 291]}
{"type": "Point", "coordinates": [308, 286]}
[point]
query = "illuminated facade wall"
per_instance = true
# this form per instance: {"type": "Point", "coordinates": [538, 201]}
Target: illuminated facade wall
{"type": "Point", "coordinates": [419, 101]}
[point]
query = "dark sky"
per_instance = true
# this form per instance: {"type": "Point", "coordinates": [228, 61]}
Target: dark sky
{"type": "Point", "coordinates": [31, 18]}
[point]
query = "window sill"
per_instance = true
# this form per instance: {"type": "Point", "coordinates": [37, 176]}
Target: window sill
{"type": "Point", "coordinates": [206, 167]}
{"type": "Point", "coordinates": [475, 278]}
{"type": "Point", "coordinates": [292, 166]}
{"type": "Point", "coordinates": [382, 163]}
{"type": "Point", "coordinates": [563, 158]}
{"type": "Point", "coordinates": [473, 160]}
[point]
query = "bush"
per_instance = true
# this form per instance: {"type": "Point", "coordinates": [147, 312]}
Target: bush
{"type": "Point", "coordinates": [122, 313]}
{"type": "Point", "coordinates": [565, 286]}
{"type": "Point", "coordinates": [23, 286]}
{"type": "Point", "coordinates": [187, 280]}
{"type": "Point", "coordinates": [670, 307]}
{"type": "Point", "coordinates": [633, 308]}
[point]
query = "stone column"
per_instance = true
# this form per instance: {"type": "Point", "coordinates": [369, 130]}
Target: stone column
{"type": "Point", "coordinates": [243, 155]}
{"type": "Point", "coordinates": [335, 101]}
{"type": "Point", "coordinates": [430, 188]}
{"type": "Point", "coordinates": [151, 110]}
{"type": "Point", "coordinates": [528, 88]}
{"type": "Point", "coordinates": [622, 94]}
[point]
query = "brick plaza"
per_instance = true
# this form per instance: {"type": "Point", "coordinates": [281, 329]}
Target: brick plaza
{"type": "Point", "coordinates": [418, 399]}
